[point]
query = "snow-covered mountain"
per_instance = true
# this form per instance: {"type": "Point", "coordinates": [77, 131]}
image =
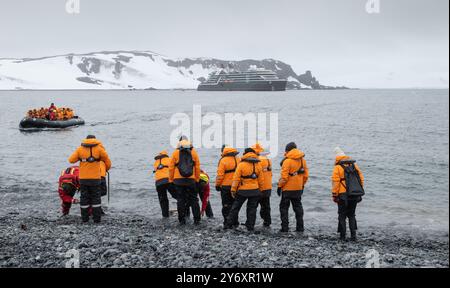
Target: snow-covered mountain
{"type": "Point", "coordinates": [130, 70]}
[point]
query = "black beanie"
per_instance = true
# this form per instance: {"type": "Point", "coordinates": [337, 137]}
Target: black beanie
{"type": "Point", "coordinates": [90, 137]}
{"type": "Point", "coordinates": [249, 150]}
{"type": "Point", "coordinates": [290, 146]}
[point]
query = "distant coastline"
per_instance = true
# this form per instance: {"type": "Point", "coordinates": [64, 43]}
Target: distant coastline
{"type": "Point", "coordinates": [134, 70]}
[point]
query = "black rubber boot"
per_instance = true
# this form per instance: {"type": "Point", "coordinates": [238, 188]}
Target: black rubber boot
{"type": "Point", "coordinates": [97, 214]}
{"type": "Point", "coordinates": [227, 227]}
{"type": "Point", "coordinates": [84, 215]}
{"type": "Point", "coordinates": [353, 235]}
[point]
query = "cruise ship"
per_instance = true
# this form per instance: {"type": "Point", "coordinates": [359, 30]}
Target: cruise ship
{"type": "Point", "coordinates": [251, 80]}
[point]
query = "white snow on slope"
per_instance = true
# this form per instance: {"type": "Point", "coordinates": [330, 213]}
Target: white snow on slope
{"type": "Point", "coordinates": [108, 70]}
{"type": "Point", "coordinates": [139, 72]}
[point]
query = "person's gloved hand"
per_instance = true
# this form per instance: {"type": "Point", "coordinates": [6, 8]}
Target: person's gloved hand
{"type": "Point", "coordinates": [336, 199]}
{"type": "Point", "coordinates": [279, 191]}
{"type": "Point", "coordinates": [75, 201]}
{"type": "Point", "coordinates": [218, 188]}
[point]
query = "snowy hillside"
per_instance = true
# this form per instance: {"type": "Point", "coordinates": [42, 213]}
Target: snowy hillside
{"type": "Point", "coordinates": [129, 70]}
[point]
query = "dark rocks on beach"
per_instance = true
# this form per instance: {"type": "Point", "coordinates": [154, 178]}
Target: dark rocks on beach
{"type": "Point", "coordinates": [124, 240]}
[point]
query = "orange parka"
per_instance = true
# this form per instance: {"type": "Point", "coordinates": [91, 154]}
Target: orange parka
{"type": "Point", "coordinates": [242, 182]}
{"type": "Point", "coordinates": [91, 172]}
{"type": "Point", "coordinates": [292, 178]}
{"type": "Point", "coordinates": [338, 178]}
{"type": "Point", "coordinates": [174, 173]}
{"type": "Point", "coordinates": [161, 168]}
{"type": "Point", "coordinates": [227, 166]}
{"type": "Point", "coordinates": [266, 166]}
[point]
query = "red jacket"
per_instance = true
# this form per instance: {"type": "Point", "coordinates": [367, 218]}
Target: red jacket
{"type": "Point", "coordinates": [206, 193]}
{"type": "Point", "coordinates": [70, 175]}
{"type": "Point", "coordinates": [204, 178]}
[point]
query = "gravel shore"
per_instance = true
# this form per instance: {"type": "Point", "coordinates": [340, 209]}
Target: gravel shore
{"type": "Point", "coordinates": [127, 240]}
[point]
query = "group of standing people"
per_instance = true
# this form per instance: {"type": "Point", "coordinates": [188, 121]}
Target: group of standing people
{"type": "Point", "coordinates": [239, 180]}
{"type": "Point", "coordinates": [52, 113]}
{"type": "Point", "coordinates": [249, 179]}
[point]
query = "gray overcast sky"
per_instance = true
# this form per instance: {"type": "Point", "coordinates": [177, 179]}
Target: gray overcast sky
{"type": "Point", "coordinates": [405, 45]}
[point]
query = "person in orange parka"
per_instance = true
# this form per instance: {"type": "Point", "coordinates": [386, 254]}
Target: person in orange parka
{"type": "Point", "coordinates": [185, 161]}
{"type": "Point", "coordinates": [90, 155]}
{"type": "Point", "coordinates": [225, 171]}
{"type": "Point", "coordinates": [69, 184]}
{"type": "Point", "coordinates": [266, 190]}
{"type": "Point", "coordinates": [294, 176]}
{"type": "Point", "coordinates": [161, 175]}
{"type": "Point", "coordinates": [346, 205]}
{"type": "Point", "coordinates": [248, 181]}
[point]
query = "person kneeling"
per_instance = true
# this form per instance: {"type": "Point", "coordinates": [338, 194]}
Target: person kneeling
{"type": "Point", "coordinates": [69, 184]}
{"type": "Point", "coordinates": [204, 191]}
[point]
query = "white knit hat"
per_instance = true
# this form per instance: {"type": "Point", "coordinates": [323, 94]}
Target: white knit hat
{"type": "Point", "coordinates": [339, 152]}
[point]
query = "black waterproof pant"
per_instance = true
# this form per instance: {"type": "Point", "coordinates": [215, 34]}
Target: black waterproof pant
{"type": "Point", "coordinates": [227, 203]}
{"type": "Point", "coordinates": [252, 205]}
{"type": "Point", "coordinates": [264, 203]}
{"type": "Point", "coordinates": [187, 197]}
{"type": "Point", "coordinates": [296, 200]}
{"type": "Point", "coordinates": [90, 197]}
{"type": "Point", "coordinates": [347, 209]}
{"type": "Point", "coordinates": [163, 199]}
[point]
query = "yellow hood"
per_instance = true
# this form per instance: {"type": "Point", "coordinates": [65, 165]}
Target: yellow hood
{"type": "Point", "coordinates": [229, 151]}
{"type": "Point", "coordinates": [90, 143]}
{"type": "Point", "coordinates": [340, 158]}
{"type": "Point", "coordinates": [295, 154]}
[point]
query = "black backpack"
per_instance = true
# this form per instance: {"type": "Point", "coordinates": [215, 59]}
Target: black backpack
{"type": "Point", "coordinates": [352, 180]}
{"type": "Point", "coordinates": [186, 163]}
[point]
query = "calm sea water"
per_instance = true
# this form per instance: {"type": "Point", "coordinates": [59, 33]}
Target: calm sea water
{"type": "Point", "coordinates": [400, 139]}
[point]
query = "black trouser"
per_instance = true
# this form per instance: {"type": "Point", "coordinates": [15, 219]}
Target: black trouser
{"type": "Point", "coordinates": [90, 197]}
{"type": "Point", "coordinates": [252, 205]}
{"type": "Point", "coordinates": [187, 197]}
{"type": "Point", "coordinates": [346, 209]}
{"type": "Point", "coordinates": [227, 203]}
{"type": "Point", "coordinates": [264, 202]}
{"type": "Point", "coordinates": [163, 199]}
{"type": "Point", "coordinates": [209, 212]}
{"type": "Point", "coordinates": [296, 200]}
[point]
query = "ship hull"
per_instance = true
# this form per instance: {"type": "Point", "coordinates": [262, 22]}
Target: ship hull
{"type": "Point", "coordinates": [279, 85]}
